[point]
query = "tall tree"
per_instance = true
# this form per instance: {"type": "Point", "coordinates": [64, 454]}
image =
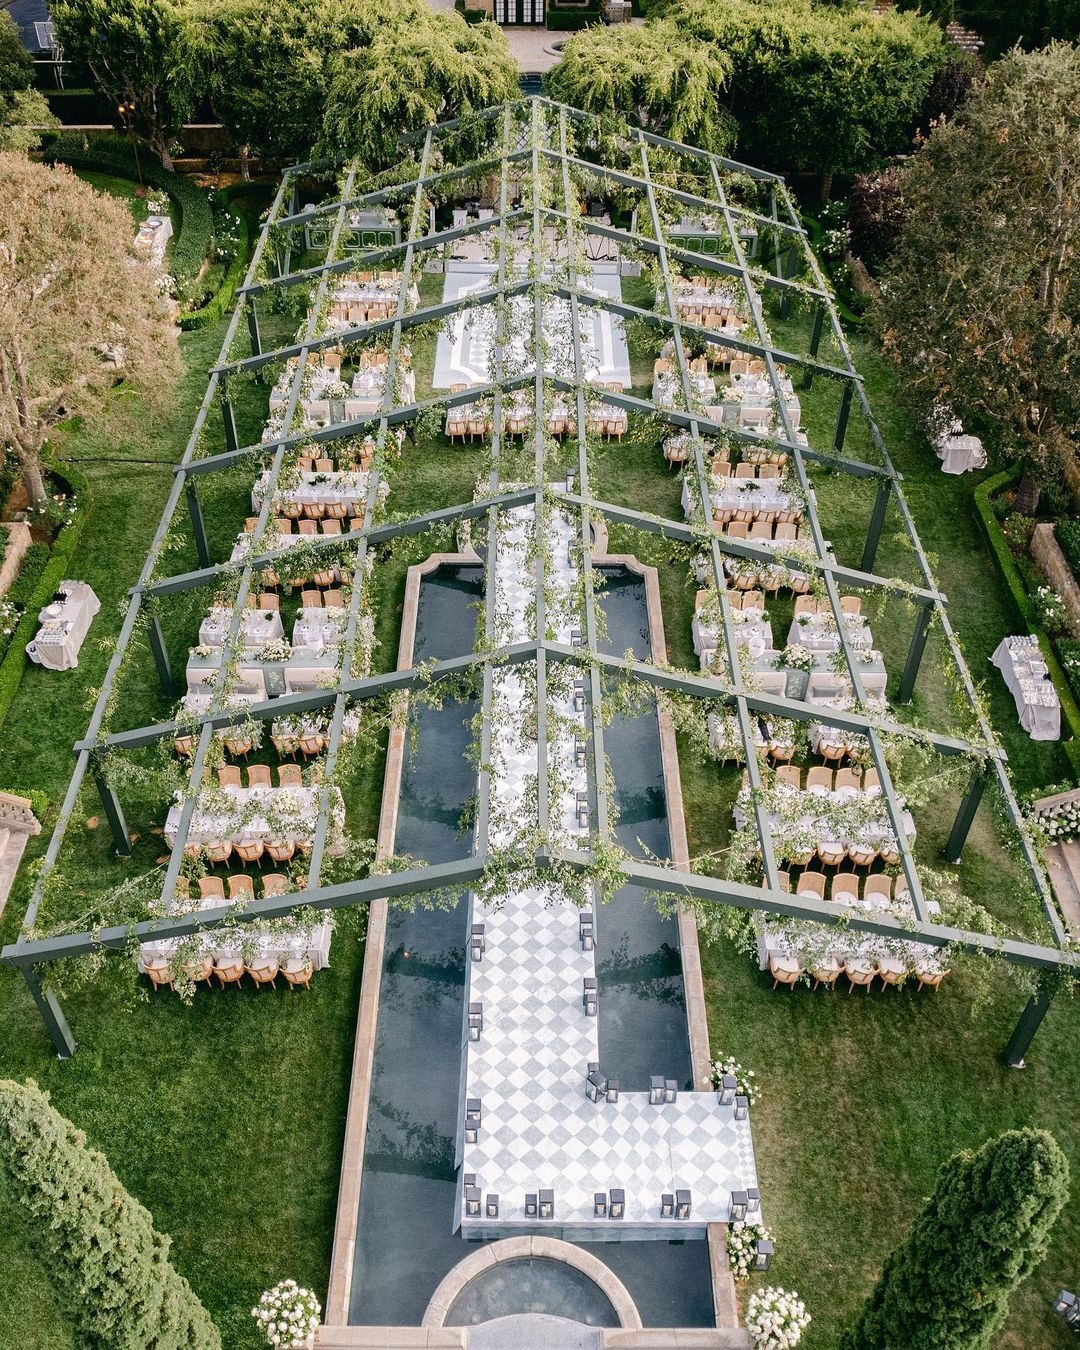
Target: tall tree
{"type": "Point", "coordinates": [408, 71]}
{"type": "Point", "coordinates": [111, 1267]}
{"type": "Point", "coordinates": [135, 52]}
{"type": "Point", "coordinates": [982, 1231]}
{"type": "Point", "coordinates": [981, 302]}
{"type": "Point", "coordinates": [22, 108]}
{"type": "Point", "coordinates": [70, 289]}
{"type": "Point", "coordinates": [815, 88]}
{"type": "Point", "coordinates": [667, 81]}
{"type": "Point", "coordinates": [265, 71]}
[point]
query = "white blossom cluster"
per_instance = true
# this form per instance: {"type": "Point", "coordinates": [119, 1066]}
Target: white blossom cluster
{"type": "Point", "coordinates": [1051, 607]}
{"type": "Point", "coordinates": [744, 1078]}
{"type": "Point", "coordinates": [776, 1319]}
{"type": "Point", "coordinates": [288, 1314]}
{"type": "Point", "coordinates": [10, 613]}
{"type": "Point", "coordinates": [1062, 823]}
{"type": "Point", "coordinates": [740, 1246]}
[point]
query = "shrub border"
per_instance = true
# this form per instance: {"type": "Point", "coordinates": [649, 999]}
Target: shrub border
{"type": "Point", "coordinates": [13, 666]}
{"type": "Point", "coordinates": [1022, 603]}
{"type": "Point", "coordinates": [219, 302]}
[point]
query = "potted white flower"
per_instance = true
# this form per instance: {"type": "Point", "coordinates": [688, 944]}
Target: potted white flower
{"type": "Point", "coordinates": [288, 1316]}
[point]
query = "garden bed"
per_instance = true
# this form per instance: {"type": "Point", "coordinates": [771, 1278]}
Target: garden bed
{"type": "Point", "coordinates": [1038, 606]}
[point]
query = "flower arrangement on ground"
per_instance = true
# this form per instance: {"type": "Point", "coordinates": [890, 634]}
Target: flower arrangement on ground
{"type": "Point", "coordinates": [746, 1083]}
{"type": "Point", "coordinates": [741, 1241]}
{"type": "Point", "coordinates": [287, 1314]}
{"type": "Point", "coordinates": [776, 1319]}
{"type": "Point", "coordinates": [1063, 822]}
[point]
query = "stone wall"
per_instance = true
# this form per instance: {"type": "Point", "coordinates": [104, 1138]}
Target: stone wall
{"type": "Point", "coordinates": [17, 543]}
{"type": "Point", "coordinates": [1045, 551]}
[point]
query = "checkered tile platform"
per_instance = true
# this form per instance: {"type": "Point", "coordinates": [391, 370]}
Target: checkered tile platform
{"type": "Point", "coordinates": [538, 1129]}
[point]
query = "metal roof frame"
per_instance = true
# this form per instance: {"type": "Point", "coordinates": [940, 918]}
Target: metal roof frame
{"type": "Point", "coordinates": [534, 139]}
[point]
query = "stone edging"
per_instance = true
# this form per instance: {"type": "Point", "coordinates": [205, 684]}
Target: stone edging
{"type": "Point", "coordinates": [342, 1256]}
{"type": "Point", "coordinates": [521, 1248]}
{"type": "Point", "coordinates": [17, 543]}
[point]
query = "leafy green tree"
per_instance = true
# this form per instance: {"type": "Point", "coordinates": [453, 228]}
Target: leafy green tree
{"type": "Point", "coordinates": [981, 301]}
{"type": "Point", "coordinates": [982, 1231]}
{"type": "Point", "coordinates": [265, 71]}
{"type": "Point", "coordinates": [70, 291]}
{"type": "Point", "coordinates": [667, 81]}
{"type": "Point", "coordinates": [22, 108]}
{"type": "Point", "coordinates": [818, 89]}
{"type": "Point", "coordinates": [111, 1268]}
{"type": "Point", "coordinates": [411, 69]}
{"type": "Point", "coordinates": [134, 50]}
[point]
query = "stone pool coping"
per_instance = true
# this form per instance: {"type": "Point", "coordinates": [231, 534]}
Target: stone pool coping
{"type": "Point", "coordinates": [520, 1249]}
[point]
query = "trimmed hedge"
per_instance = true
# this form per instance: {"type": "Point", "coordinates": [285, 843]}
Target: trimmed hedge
{"type": "Point", "coordinates": [109, 154]}
{"type": "Point", "coordinates": [570, 20]}
{"type": "Point", "coordinates": [55, 570]}
{"type": "Point", "coordinates": [216, 306]}
{"type": "Point", "coordinates": [1022, 603]}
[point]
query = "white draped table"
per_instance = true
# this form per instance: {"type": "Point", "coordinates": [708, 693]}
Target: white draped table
{"type": "Point", "coordinates": [64, 625]}
{"type": "Point", "coordinates": [1020, 662]}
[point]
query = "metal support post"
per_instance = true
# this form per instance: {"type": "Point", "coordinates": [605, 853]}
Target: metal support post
{"type": "Point", "coordinates": [48, 1005]}
{"type": "Point", "coordinates": [198, 526]}
{"type": "Point", "coordinates": [877, 524]}
{"type": "Point", "coordinates": [842, 418]}
{"type": "Point", "coordinates": [114, 814]}
{"type": "Point", "coordinates": [915, 654]}
{"type": "Point", "coordinates": [253, 329]}
{"type": "Point", "coordinates": [228, 420]}
{"type": "Point", "coordinates": [964, 816]}
{"type": "Point", "coordinates": [1038, 1005]}
{"type": "Point", "coordinates": [815, 343]}
{"type": "Point", "coordinates": [161, 657]}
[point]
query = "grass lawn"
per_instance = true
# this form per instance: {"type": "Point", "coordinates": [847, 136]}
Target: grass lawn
{"type": "Point", "coordinates": [226, 1118]}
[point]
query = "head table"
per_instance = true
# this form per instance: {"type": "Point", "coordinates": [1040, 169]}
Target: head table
{"type": "Point", "coordinates": [64, 625]}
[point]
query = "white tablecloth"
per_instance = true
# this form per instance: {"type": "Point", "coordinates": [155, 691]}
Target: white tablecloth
{"type": "Point", "coordinates": [223, 944]}
{"type": "Point", "coordinates": [958, 454]}
{"type": "Point", "coordinates": [256, 625]}
{"type": "Point", "coordinates": [234, 813]}
{"type": "Point", "coordinates": [1032, 690]}
{"type": "Point", "coordinates": [345, 486]}
{"type": "Point", "coordinates": [818, 632]}
{"type": "Point", "coordinates": [64, 626]}
{"type": "Point", "coordinates": [319, 627]}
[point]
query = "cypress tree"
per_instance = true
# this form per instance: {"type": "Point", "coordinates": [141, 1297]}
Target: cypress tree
{"type": "Point", "coordinates": [111, 1268]}
{"type": "Point", "coordinates": [947, 1285]}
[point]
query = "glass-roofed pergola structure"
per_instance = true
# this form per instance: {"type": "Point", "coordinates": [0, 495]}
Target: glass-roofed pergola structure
{"type": "Point", "coordinates": [536, 289]}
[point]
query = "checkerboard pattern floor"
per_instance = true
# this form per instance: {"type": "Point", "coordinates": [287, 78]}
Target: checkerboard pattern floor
{"type": "Point", "coordinates": [538, 1129]}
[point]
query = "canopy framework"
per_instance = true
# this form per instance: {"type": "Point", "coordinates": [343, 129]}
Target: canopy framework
{"type": "Point", "coordinates": [533, 146]}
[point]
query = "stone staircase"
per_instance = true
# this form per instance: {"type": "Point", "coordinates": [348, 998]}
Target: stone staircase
{"type": "Point", "coordinates": [1063, 863]}
{"type": "Point", "coordinates": [17, 825]}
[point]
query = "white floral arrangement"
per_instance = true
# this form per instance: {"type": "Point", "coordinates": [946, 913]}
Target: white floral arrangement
{"type": "Point", "coordinates": [1062, 823]}
{"type": "Point", "coordinates": [276, 650]}
{"type": "Point", "coordinates": [1051, 608]}
{"type": "Point", "coordinates": [287, 1314]}
{"type": "Point", "coordinates": [745, 1079]}
{"type": "Point", "coordinates": [797, 657]}
{"type": "Point", "coordinates": [741, 1241]}
{"type": "Point", "coordinates": [165, 284]}
{"type": "Point", "coordinates": [10, 614]}
{"type": "Point", "coordinates": [157, 205]}
{"type": "Point", "coordinates": [776, 1319]}
{"type": "Point", "coordinates": [338, 389]}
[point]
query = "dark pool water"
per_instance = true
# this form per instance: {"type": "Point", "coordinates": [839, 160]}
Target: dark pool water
{"type": "Point", "coordinates": [533, 1286]}
{"type": "Point", "coordinates": [404, 1242]}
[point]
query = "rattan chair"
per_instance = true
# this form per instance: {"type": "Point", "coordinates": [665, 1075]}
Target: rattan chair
{"type": "Point", "coordinates": [229, 776]}
{"type": "Point", "coordinates": [250, 851]}
{"type": "Point", "coordinates": [241, 887]}
{"type": "Point", "coordinates": [211, 888]}
{"type": "Point", "coordinates": [298, 973]}
{"type": "Point", "coordinates": [290, 775]}
{"type": "Point", "coordinates": [264, 970]}
{"type": "Point", "coordinates": [258, 775]}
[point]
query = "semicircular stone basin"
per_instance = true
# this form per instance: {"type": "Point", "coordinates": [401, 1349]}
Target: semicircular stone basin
{"type": "Point", "coordinates": [532, 1285]}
